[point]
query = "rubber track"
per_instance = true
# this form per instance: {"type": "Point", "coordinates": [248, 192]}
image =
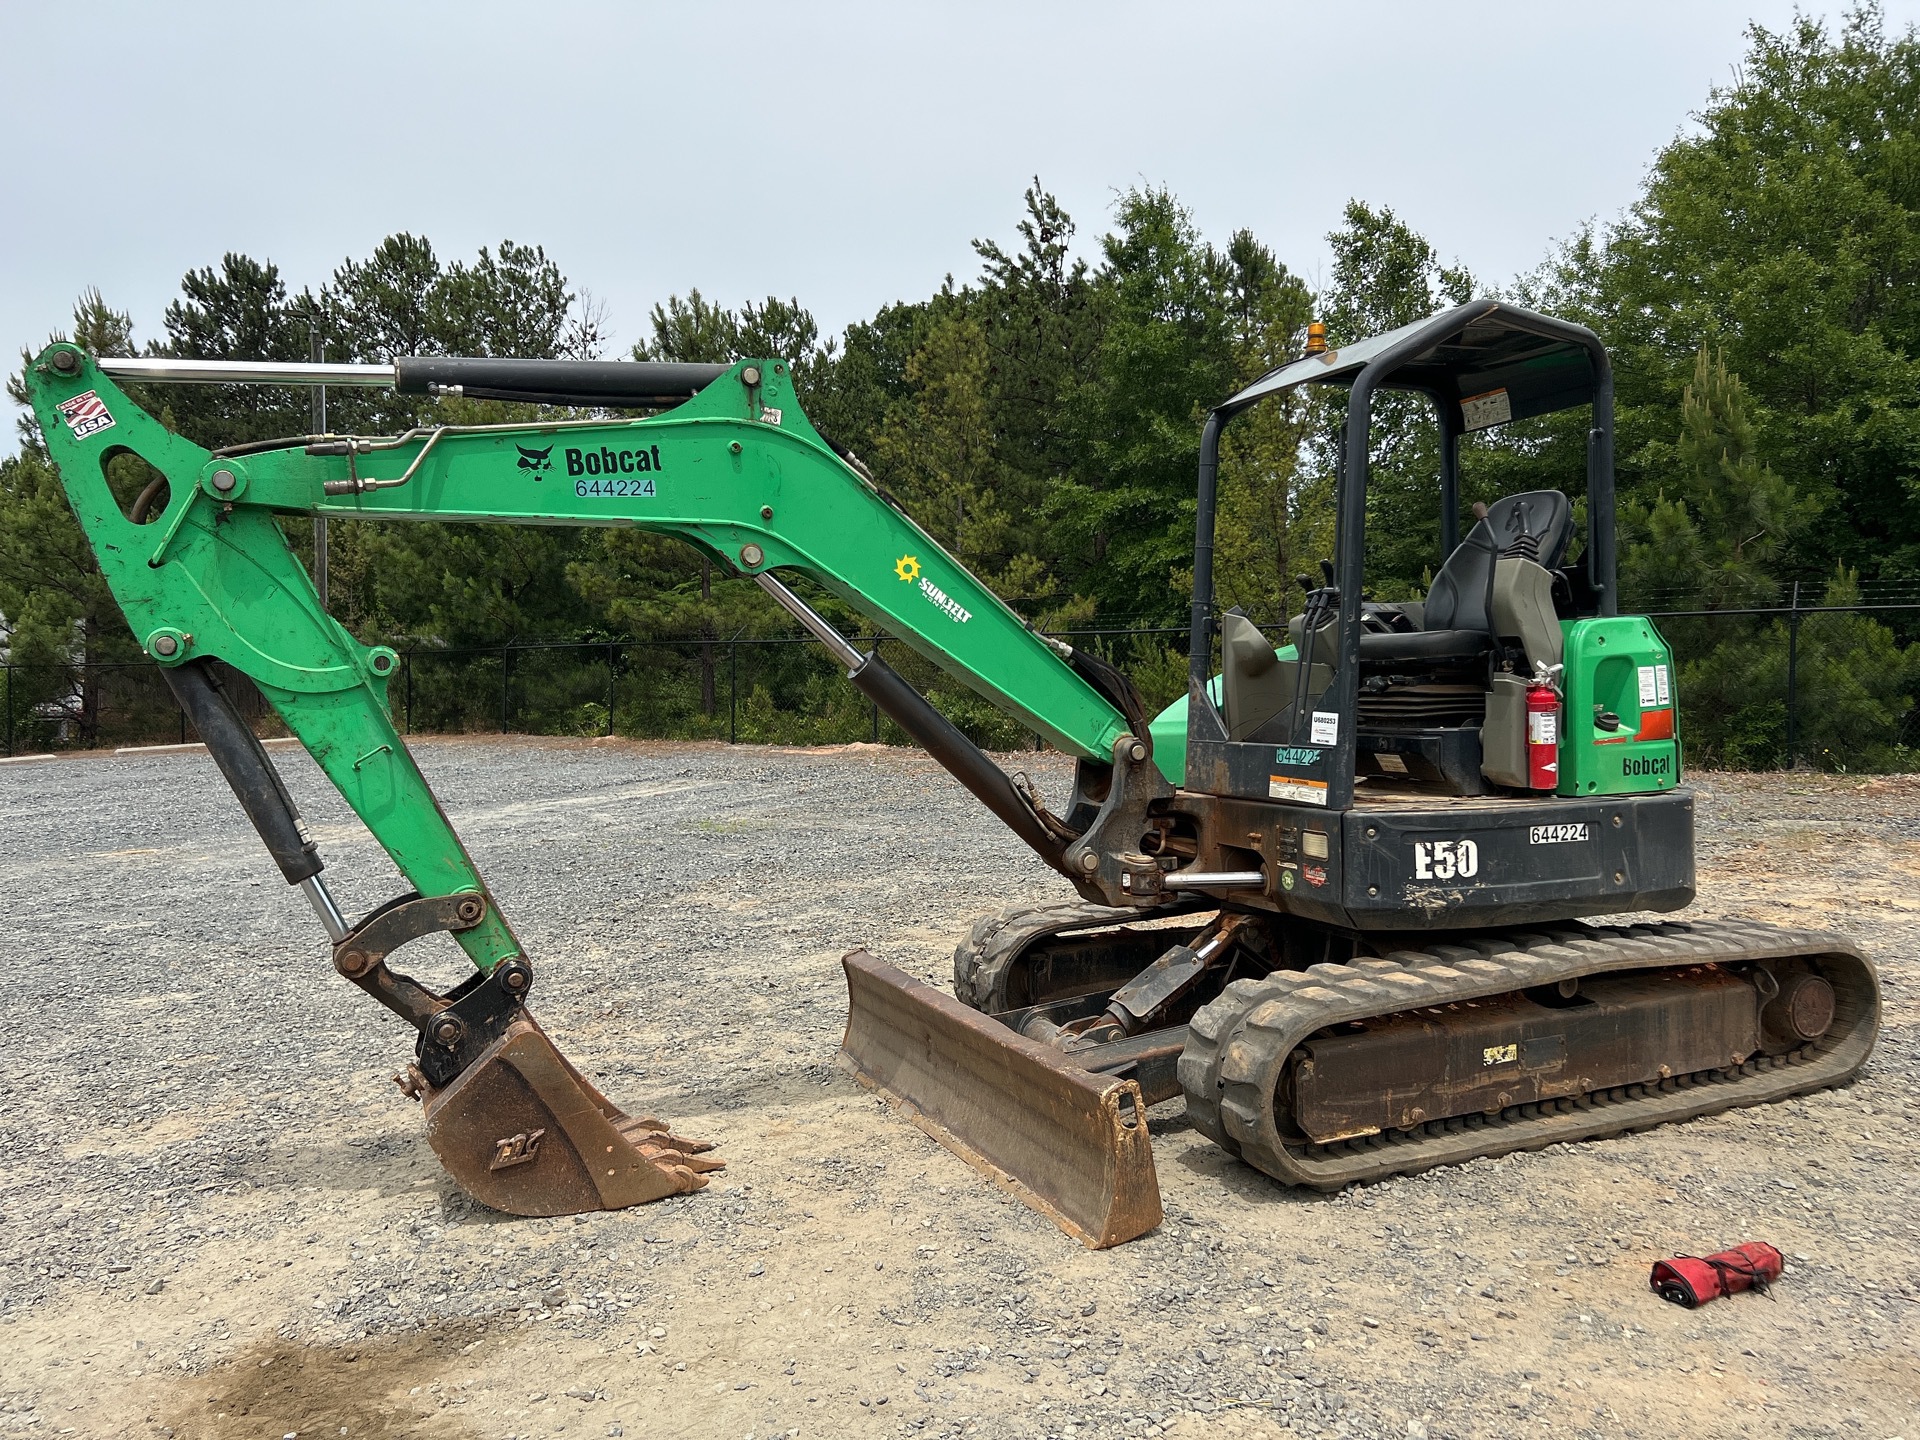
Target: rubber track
{"type": "Point", "coordinates": [982, 961]}
{"type": "Point", "coordinates": [1240, 1043]}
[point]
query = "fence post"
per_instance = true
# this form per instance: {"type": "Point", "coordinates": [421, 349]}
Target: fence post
{"type": "Point", "coordinates": [733, 691]}
{"type": "Point", "coordinates": [610, 679]}
{"type": "Point", "coordinates": [506, 684]}
{"type": "Point", "coordinates": [1793, 675]}
{"type": "Point", "coordinates": [9, 709]}
{"type": "Point", "coordinates": [407, 660]}
{"type": "Point", "coordinates": [875, 704]}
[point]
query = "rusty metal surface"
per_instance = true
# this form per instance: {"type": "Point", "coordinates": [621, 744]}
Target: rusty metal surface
{"type": "Point", "coordinates": [1071, 1144]}
{"type": "Point", "coordinates": [522, 1131]}
{"type": "Point", "coordinates": [1239, 1047]}
{"type": "Point", "coordinates": [1402, 1070]}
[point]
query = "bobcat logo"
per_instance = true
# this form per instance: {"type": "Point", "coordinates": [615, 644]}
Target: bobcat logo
{"type": "Point", "coordinates": [535, 461]}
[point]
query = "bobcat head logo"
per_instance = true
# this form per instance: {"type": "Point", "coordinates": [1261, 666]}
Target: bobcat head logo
{"type": "Point", "coordinates": [535, 460]}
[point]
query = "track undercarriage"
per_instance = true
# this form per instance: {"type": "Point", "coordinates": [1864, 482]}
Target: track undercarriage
{"type": "Point", "coordinates": [1323, 1073]}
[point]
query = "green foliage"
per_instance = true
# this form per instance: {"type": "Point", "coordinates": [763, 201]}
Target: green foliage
{"type": "Point", "coordinates": [1853, 685]}
{"type": "Point", "coordinates": [59, 618]}
{"type": "Point", "coordinates": [1784, 230]}
{"type": "Point", "coordinates": [1273, 520]}
{"type": "Point", "coordinates": [1717, 526]}
{"type": "Point", "coordinates": [1386, 275]}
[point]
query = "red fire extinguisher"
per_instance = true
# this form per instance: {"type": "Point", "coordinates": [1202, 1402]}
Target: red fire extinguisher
{"type": "Point", "coordinates": [1543, 732]}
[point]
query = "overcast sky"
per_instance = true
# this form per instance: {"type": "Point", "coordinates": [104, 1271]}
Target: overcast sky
{"type": "Point", "coordinates": [842, 153]}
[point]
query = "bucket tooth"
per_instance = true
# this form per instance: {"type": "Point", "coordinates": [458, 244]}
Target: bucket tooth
{"type": "Point", "coordinates": [1070, 1143]}
{"type": "Point", "coordinates": [522, 1131]}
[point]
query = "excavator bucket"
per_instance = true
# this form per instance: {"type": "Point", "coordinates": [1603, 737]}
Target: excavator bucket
{"type": "Point", "coordinates": [522, 1131]}
{"type": "Point", "coordinates": [1070, 1143]}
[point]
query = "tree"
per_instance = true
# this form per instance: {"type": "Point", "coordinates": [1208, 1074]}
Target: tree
{"type": "Point", "coordinates": [1269, 522]}
{"type": "Point", "coordinates": [56, 613]}
{"type": "Point", "coordinates": [241, 311]}
{"type": "Point", "coordinates": [454, 585]}
{"type": "Point", "coordinates": [1717, 526]}
{"type": "Point", "coordinates": [1165, 355]}
{"type": "Point", "coordinates": [1784, 230]}
{"type": "Point", "coordinates": [1386, 275]}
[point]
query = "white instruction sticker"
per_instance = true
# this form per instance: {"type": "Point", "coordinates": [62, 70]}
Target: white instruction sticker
{"type": "Point", "coordinates": [1649, 686]}
{"type": "Point", "coordinates": [1301, 792]}
{"type": "Point", "coordinates": [1663, 690]}
{"type": "Point", "coordinates": [1326, 728]}
{"type": "Point", "coordinates": [1492, 407]}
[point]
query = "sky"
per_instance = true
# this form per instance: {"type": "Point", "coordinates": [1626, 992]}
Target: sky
{"type": "Point", "coordinates": [845, 154]}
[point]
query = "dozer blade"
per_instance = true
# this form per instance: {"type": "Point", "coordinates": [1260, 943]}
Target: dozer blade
{"type": "Point", "coordinates": [1071, 1144]}
{"type": "Point", "coordinates": [522, 1131]}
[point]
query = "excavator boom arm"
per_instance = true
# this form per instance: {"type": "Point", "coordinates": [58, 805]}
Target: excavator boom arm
{"type": "Point", "coordinates": [737, 470]}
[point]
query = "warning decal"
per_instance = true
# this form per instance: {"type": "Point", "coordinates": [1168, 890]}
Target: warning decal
{"type": "Point", "coordinates": [1303, 792]}
{"type": "Point", "coordinates": [1477, 412]}
{"type": "Point", "coordinates": [85, 414]}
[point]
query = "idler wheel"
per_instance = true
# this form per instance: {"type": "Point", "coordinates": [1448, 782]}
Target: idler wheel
{"type": "Point", "coordinates": [1803, 1010]}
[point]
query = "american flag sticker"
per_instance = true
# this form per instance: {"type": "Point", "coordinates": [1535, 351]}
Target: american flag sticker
{"type": "Point", "coordinates": [86, 414]}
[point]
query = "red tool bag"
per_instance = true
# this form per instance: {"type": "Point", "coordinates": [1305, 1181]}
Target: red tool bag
{"type": "Point", "coordinates": [1691, 1281]}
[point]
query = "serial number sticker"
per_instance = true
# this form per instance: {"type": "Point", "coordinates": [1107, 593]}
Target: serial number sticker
{"type": "Point", "coordinates": [1556, 834]}
{"type": "Point", "coordinates": [1500, 1054]}
{"type": "Point", "coordinates": [616, 488]}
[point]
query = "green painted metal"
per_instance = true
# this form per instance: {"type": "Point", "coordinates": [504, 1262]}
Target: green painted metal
{"type": "Point", "coordinates": [1622, 666]}
{"type": "Point", "coordinates": [737, 470]}
{"type": "Point", "coordinates": [1169, 731]}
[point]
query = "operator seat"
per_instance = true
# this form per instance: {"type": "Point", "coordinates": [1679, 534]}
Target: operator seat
{"type": "Point", "coordinates": [1454, 627]}
{"type": "Point", "coordinates": [1456, 622]}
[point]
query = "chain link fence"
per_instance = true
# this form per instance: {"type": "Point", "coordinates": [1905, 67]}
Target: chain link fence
{"type": "Point", "coordinates": [1828, 686]}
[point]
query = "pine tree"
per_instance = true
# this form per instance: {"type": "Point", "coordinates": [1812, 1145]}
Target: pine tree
{"type": "Point", "coordinates": [1714, 534]}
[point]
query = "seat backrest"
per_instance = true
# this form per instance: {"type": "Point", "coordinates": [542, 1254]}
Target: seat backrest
{"type": "Point", "coordinates": [1541, 520]}
{"type": "Point", "coordinates": [1537, 524]}
{"type": "Point", "coordinates": [1463, 590]}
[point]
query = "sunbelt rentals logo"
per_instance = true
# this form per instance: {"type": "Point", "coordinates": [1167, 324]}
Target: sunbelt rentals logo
{"type": "Point", "coordinates": [907, 567]}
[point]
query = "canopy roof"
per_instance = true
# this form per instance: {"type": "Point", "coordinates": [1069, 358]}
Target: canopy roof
{"type": "Point", "coordinates": [1490, 361]}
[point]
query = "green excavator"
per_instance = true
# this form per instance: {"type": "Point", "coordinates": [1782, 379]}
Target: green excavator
{"type": "Point", "coordinates": [1337, 897]}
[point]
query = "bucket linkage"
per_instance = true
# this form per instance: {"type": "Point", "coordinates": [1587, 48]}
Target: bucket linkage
{"type": "Point", "coordinates": [516, 1125]}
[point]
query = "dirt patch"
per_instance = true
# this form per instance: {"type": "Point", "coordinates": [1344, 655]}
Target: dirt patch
{"type": "Point", "coordinates": [389, 1385]}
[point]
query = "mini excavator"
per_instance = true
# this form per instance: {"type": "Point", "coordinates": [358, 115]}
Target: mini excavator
{"type": "Point", "coordinates": [1341, 897]}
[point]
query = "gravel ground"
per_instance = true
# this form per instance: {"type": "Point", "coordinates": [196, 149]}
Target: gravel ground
{"type": "Point", "coordinates": [222, 1220]}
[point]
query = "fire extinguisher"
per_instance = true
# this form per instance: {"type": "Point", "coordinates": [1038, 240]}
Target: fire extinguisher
{"type": "Point", "coordinates": [1543, 729]}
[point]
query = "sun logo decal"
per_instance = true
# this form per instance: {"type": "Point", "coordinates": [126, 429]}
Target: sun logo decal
{"type": "Point", "coordinates": [907, 567]}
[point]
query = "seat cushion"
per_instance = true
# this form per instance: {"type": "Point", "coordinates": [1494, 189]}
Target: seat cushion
{"type": "Point", "coordinates": [1424, 645]}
